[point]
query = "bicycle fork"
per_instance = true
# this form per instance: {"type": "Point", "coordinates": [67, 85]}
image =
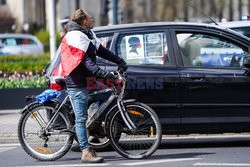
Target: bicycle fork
{"type": "Point", "coordinates": [129, 123]}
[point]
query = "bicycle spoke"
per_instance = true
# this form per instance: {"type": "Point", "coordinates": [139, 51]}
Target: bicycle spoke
{"type": "Point", "coordinates": [45, 144]}
{"type": "Point", "coordinates": [141, 141]}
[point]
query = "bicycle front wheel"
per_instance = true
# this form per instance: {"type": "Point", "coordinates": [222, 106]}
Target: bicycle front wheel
{"type": "Point", "coordinates": [139, 142]}
{"type": "Point", "coordinates": [45, 144]}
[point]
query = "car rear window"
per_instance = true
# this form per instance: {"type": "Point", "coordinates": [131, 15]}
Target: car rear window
{"type": "Point", "coordinates": [17, 41]}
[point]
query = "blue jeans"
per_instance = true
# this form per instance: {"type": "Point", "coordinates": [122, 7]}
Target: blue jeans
{"type": "Point", "coordinates": [79, 98]}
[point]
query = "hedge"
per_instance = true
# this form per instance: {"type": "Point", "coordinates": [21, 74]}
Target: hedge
{"type": "Point", "coordinates": [29, 82]}
{"type": "Point", "coordinates": [25, 63]}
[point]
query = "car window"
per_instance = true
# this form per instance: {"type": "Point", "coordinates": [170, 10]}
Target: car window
{"type": "Point", "coordinates": [203, 50]}
{"type": "Point", "coordinates": [243, 30]}
{"type": "Point", "coordinates": [106, 41]}
{"type": "Point", "coordinates": [144, 48]}
{"type": "Point", "coordinates": [17, 41]}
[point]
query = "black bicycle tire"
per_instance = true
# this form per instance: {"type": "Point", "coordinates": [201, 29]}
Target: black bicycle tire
{"type": "Point", "coordinates": [113, 142]}
{"type": "Point", "coordinates": [21, 140]}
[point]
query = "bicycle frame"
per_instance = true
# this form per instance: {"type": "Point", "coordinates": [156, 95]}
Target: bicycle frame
{"type": "Point", "coordinates": [104, 105]}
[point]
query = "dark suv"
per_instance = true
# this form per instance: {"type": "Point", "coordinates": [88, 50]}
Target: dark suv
{"type": "Point", "coordinates": [191, 74]}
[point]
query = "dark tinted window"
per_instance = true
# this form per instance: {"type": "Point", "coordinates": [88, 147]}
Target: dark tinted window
{"type": "Point", "coordinates": [244, 30]}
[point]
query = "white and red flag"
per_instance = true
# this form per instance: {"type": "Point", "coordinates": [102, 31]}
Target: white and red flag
{"type": "Point", "coordinates": [71, 52]}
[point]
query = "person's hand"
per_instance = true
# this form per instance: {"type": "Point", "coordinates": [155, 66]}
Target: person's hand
{"type": "Point", "coordinates": [111, 75]}
{"type": "Point", "coordinates": [122, 66]}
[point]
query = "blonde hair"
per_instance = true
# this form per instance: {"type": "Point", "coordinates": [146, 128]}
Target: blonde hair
{"type": "Point", "coordinates": [79, 16]}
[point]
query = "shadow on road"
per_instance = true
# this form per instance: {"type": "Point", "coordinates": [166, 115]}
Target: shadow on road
{"type": "Point", "coordinates": [205, 142]}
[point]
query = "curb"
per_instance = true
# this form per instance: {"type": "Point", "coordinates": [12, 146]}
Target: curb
{"type": "Point", "coordinates": [8, 138]}
{"type": "Point", "coordinates": [12, 138]}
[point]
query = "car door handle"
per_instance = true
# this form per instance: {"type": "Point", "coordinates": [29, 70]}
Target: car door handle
{"type": "Point", "coordinates": [196, 77]}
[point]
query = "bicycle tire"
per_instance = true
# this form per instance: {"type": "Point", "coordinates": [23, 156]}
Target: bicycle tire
{"type": "Point", "coordinates": [134, 144]}
{"type": "Point", "coordinates": [42, 153]}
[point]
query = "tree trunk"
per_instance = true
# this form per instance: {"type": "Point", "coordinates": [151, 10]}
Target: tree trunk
{"type": "Point", "coordinates": [249, 6]}
{"type": "Point", "coordinates": [186, 10]}
{"type": "Point", "coordinates": [213, 9]}
{"type": "Point", "coordinates": [221, 8]}
{"type": "Point", "coordinates": [231, 10]}
{"type": "Point", "coordinates": [240, 9]}
{"type": "Point", "coordinates": [128, 11]}
{"type": "Point", "coordinates": [174, 7]}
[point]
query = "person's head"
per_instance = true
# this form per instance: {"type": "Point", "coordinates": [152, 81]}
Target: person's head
{"type": "Point", "coordinates": [83, 19]}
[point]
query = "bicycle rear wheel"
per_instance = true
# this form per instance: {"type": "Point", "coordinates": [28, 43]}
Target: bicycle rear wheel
{"type": "Point", "coordinates": [140, 142]}
{"type": "Point", "coordinates": [40, 143]}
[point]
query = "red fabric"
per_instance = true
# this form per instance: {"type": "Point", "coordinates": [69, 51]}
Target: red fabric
{"type": "Point", "coordinates": [55, 86]}
{"type": "Point", "coordinates": [70, 58]}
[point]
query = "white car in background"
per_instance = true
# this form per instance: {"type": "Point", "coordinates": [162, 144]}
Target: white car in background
{"type": "Point", "coordinates": [20, 44]}
{"type": "Point", "coordinates": [242, 27]}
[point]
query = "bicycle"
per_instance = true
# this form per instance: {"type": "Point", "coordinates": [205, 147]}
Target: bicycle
{"type": "Point", "coordinates": [132, 128]}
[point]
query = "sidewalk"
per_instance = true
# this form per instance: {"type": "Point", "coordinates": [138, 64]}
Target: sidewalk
{"type": "Point", "coordinates": [8, 126]}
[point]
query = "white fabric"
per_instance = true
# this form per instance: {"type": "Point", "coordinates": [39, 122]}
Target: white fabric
{"type": "Point", "coordinates": [78, 40]}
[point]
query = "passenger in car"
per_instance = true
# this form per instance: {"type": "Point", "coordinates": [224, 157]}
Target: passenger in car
{"type": "Point", "coordinates": [190, 50]}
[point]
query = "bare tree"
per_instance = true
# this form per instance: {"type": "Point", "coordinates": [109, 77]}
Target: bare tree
{"type": "Point", "coordinates": [128, 11]}
{"type": "Point", "coordinates": [174, 7]}
{"type": "Point", "coordinates": [240, 8]}
{"type": "Point", "coordinates": [213, 8]}
{"type": "Point", "coordinates": [186, 10]}
{"type": "Point", "coordinates": [231, 10]}
{"type": "Point", "coordinates": [221, 8]}
{"type": "Point", "coordinates": [202, 5]}
{"type": "Point", "coordinates": [248, 6]}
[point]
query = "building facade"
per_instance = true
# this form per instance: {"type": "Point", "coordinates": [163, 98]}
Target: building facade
{"type": "Point", "coordinates": [32, 14]}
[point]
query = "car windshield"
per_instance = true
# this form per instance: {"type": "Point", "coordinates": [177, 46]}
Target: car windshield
{"type": "Point", "coordinates": [243, 30]}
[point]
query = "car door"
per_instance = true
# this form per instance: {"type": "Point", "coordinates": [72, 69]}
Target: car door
{"type": "Point", "coordinates": [152, 75]}
{"type": "Point", "coordinates": [215, 91]}
{"type": "Point", "coordinates": [28, 45]}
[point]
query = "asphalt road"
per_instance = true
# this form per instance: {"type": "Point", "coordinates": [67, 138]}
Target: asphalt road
{"type": "Point", "coordinates": [217, 152]}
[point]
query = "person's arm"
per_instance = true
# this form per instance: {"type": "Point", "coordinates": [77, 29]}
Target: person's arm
{"type": "Point", "coordinates": [95, 70]}
{"type": "Point", "coordinates": [108, 55]}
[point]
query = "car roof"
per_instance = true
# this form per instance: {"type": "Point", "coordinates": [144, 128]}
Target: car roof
{"type": "Point", "coordinates": [17, 35]}
{"type": "Point", "coordinates": [154, 24]}
{"type": "Point", "coordinates": [235, 24]}
{"type": "Point", "coordinates": [168, 24]}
